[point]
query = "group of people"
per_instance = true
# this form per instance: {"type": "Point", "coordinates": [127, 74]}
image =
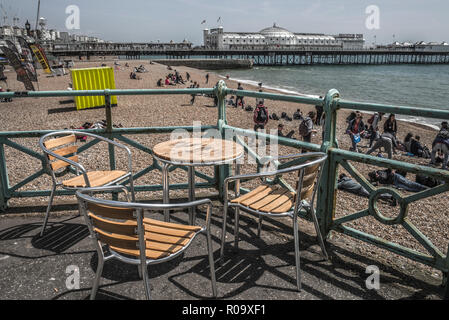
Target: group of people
{"type": "Point", "coordinates": [388, 140]}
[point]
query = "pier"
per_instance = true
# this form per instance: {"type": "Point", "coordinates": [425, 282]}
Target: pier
{"type": "Point", "coordinates": [268, 56]}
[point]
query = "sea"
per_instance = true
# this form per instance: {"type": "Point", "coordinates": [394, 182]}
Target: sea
{"type": "Point", "coordinates": [422, 86]}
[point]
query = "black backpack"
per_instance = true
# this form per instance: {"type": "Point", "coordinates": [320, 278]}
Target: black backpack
{"type": "Point", "coordinates": [262, 115]}
{"type": "Point", "coordinates": [303, 129]}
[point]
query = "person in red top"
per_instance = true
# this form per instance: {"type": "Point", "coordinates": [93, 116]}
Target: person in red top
{"type": "Point", "coordinates": [260, 116]}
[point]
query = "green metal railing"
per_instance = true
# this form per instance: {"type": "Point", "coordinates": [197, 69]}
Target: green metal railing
{"type": "Point", "coordinates": [326, 201]}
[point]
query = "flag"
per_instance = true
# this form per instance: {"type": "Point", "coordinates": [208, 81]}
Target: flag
{"type": "Point", "coordinates": [22, 73]}
{"type": "Point", "coordinates": [204, 21]}
{"type": "Point", "coordinates": [219, 19]}
{"type": "Point", "coordinates": [41, 57]}
{"type": "Point", "coordinates": [27, 57]}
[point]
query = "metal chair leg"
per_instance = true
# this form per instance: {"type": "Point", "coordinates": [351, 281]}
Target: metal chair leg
{"type": "Point", "coordinates": [297, 256]}
{"type": "Point", "coordinates": [236, 228]}
{"type": "Point", "coordinates": [223, 231]}
{"type": "Point", "coordinates": [259, 226]}
{"type": "Point", "coordinates": [165, 191]}
{"type": "Point", "coordinates": [319, 235]}
{"type": "Point", "coordinates": [146, 281]}
{"type": "Point", "coordinates": [139, 269]}
{"type": "Point", "coordinates": [191, 178]}
{"type": "Point", "coordinates": [97, 277]}
{"type": "Point", "coordinates": [47, 213]}
{"type": "Point", "coordinates": [211, 265]}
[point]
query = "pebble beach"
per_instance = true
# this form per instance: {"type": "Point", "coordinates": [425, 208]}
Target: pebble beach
{"type": "Point", "coordinates": [429, 215]}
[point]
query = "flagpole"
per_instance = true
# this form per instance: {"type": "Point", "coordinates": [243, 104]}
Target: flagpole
{"type": "Point", "coordinates": [37, 18]}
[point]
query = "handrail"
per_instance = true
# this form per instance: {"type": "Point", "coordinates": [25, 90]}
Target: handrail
{"type": "Point", "coordinates": [332, 103]}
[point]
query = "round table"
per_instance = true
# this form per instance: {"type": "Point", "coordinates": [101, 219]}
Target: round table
{"type": "Point", "coordinates": [193, 152]}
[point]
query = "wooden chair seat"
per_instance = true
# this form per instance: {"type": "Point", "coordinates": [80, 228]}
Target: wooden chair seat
{"type": "Point", "coordinates": [96, 179]}
{"type": "Point", "coordinates": [162, 238]}
{"type": "Point", "coordinates": [266, 198]}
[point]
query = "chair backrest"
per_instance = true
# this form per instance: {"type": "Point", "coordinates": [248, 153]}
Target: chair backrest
{"type": "Point", "coordinates": [309, 180]}
{"type": "Point", "coordinates": [63, 146]}
{"type": "Point", "coordinates": [116, 224]}
{"type": "Point", "coordinates": [117, 227]}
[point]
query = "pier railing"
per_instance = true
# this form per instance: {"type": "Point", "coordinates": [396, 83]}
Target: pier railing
{"type": "Point", "coordinates": [327, 191]}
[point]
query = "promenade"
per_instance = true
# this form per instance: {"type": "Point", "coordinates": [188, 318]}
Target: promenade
{"type": "Point", "coordinates": [43, 268]}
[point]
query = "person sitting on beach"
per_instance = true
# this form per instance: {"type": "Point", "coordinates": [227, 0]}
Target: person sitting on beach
{"type": "Point", "coordinates": [260, 117]}
{"type": "Point", "coordinates": [281, 134]}
{"type": "Point", "coordinates": [168, 82]}
{"type": "Point", "coordinates": [390, 125]}
{"type": "Point", "coordinates": [408, 141]}
{"type": "Point", "coordinates": [441, 144]}
{"type": "Point", "coordinates": [134, 76]}
{"type": "Point", "coordinates": [355, 130]}
{"type": "Point", "coordinates": [297, 115]}
{"type": "Point", "coordinates": [159, 83]}
{"type": "Point", "coordinates": [417, 149]}
{"type": "Point", "coordinates": [239, 98]}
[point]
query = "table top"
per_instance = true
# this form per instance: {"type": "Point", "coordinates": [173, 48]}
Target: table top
{"type": "Point", "coordinates": [198, 151]}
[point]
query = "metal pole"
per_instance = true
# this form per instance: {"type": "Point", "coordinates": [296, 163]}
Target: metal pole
{"type": "Point", "coordinates": [37, 18]}
{"type": "Point", "coordinates": [4, 182]}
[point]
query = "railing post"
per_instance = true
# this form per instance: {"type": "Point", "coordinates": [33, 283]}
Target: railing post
{"type": "Point", "coordinates": [4, 182]}
{"type": "Point", "coordinates": [109, 128]}
{"type": "Point", "coordinates": [223, 171]}
{"type": "Point", "coordinates": [107, 98]}
{"type": "Point", "coordinates": [327, 189]}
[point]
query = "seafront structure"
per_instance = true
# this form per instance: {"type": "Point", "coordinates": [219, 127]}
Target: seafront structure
{"type": "Point", "coordinates": [278, 37]}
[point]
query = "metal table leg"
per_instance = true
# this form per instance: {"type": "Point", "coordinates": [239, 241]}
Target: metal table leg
{"type": "Point", "coordinates": [165, 190]}
{"type": "Point", "coordinates": [192, 211]}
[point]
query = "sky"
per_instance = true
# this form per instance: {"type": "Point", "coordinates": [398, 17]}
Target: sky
{"type": "Point", "coordinates": [165, 20]}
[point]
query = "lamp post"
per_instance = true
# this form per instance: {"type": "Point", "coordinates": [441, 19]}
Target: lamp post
{"type": "Point", "coordinates": [28, 28]}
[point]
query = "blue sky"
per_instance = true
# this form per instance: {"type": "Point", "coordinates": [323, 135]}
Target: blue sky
{"type": "Point", "coordinates": [149, 20]}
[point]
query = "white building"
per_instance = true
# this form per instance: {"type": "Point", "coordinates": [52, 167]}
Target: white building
{"type": "Point", "coordinates": [278, 38]}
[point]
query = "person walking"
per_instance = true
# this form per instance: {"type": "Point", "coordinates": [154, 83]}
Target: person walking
{"type": "Point", "coordinates": [260, 117]}
{"type": "Point", "coordinates": [374, 127]}
{"type": "Point", "coordinates": [239, 98]}
{"type": "Point", "coordinates": [207, 78]}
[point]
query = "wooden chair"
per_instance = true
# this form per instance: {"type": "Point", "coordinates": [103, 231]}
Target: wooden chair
{"type": "Point", "coordinates": [271, 199]}
{"type": "Point", "coordinates": [130, 237]}
{"type": "Point", "coordinates": [61, 154]}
